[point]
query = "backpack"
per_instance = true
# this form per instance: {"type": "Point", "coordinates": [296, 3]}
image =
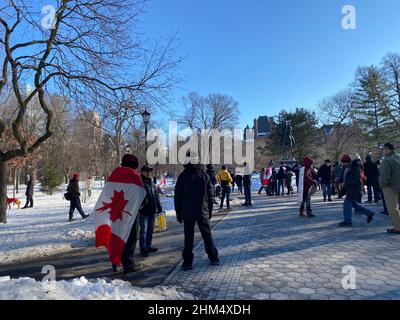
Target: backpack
{"type": "Point", "coordinates": [68, 196]}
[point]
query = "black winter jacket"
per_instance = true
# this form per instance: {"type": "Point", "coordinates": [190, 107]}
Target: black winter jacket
{"type": "Point", "coordinates": [239, 180]}
{"type": "Point", "coordinates": [371, 171]}
{"type": "Point", "coordinates": [281, 173]}
{"type": "Point", "coordinates": [151, 204]}
{"type": "Point", "coordinates": [73, 187]}
{"type": "Point", "coordinates": [325, 173]}
{"type": "Point", "coordinates": [29, 188]}
{"type": "Point", "coordinates": [353, 185]}
{"type": "Point", "coordinates": [193, 194]}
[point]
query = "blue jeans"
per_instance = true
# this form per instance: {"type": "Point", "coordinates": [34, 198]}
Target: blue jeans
{"type": "Point", "coordinates": [281, 186]}
{"type": "Point", "coordinates": [348, 206]}
{"type": "Point", "coordinates": [247, 193]}
{"type": "Point", "coordinates": [327, 190]}
{"type": "Point", "coordinates": [146, 231]}
{"type": "Point", "coordinates": [75, 204]}
{"type": "Point", "coordinates": [226, 192]}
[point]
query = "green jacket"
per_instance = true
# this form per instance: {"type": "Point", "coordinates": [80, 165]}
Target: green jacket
{"type": "Point", "coordinates": [389, 172]}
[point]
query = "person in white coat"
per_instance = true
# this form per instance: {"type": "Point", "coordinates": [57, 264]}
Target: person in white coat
{"type": "Point", "coordinates": [89, 186]}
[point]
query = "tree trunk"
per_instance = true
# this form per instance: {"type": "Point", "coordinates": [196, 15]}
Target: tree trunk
{"type": "Point", "coordinates": [15, 182]}
{"type": "Point", "coordinates": [18, 180]}
{"type": "Point", "coordinates": [3, 191]}
{"type": "Point", "coordinates": [26, 173]}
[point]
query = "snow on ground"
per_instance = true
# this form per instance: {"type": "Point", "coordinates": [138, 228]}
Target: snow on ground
{"type": "Point", "coordinates": [82, 289]}
{"type": "Point", "coordinates": [44, 230]}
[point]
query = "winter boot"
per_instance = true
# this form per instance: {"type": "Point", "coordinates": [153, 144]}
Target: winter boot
{"type": "Point", "coordinates": [345, 224]}
{"type": "Point", "coordinates": [152, 250]}
{"type": "Point", "coordinates": [186, 267]}
{"type": "Point", "coordinates": [132, 268]}
{"type": "Point", "coordinates": [309, 213]}
{"type": "Point", "coordinates": [144, 253]}
{"type": "Point", "coordinates": [215, 262]}
{"type": "Point", "coordinates": [302, 215]}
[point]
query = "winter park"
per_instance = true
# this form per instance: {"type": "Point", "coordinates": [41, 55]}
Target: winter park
{"type": "Point", "coordinates": [143, 157]}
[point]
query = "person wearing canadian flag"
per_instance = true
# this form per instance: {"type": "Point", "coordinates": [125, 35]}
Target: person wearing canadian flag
{"type": "Point", "coordinates": [116, 213]}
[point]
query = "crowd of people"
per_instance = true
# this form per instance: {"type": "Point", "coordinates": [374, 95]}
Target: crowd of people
{"type": "Point", "coordinates": [351, 178]}
{"type": "Point", "coordinates": [198, 189]}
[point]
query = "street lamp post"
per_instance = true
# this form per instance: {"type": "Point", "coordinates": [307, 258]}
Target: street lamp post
{"type": "Point", "coordinates": [146, 120]}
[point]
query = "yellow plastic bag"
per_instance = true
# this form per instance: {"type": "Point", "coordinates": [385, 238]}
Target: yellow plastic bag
{"type": "Point", "coordinates": [160, 223]}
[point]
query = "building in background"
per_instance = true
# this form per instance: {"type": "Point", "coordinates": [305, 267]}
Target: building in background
{"type": "Point", "coordinates": [262, 127]}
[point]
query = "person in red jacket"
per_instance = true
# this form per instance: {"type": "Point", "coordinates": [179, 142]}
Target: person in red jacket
{"type": "Point", "coordinates": [309, 188]}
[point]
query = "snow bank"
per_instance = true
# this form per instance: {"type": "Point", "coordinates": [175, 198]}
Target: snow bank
{"type": "Point", "coordinates": [44, 230]}
{"type": "Point", "coordinates": [82, 289]}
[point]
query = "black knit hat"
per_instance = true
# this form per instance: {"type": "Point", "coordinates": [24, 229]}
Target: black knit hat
{"type": "Point", "coordinates": [389, 146]}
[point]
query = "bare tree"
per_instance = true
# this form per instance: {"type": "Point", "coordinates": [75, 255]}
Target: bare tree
{"type": "Point", "coordinates": [214, 112]}
{"type": "Point", "coordinates": [337, 111]}
{"type": "Point", "coordinates": [88, 49]}
{"type": "Point", "coordinates": [206, 115]}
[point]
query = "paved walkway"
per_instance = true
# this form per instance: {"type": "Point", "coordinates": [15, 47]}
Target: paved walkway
{"type": "Point", "coordinates": [269, 253]}
{"type": "Point", "coordinates": [93, 263]}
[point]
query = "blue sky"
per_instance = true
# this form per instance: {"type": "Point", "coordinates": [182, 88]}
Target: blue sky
{"type": "Point", "coordinates": [273, 54]}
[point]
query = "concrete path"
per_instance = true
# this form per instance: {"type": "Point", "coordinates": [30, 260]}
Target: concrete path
{"type": "Point", "coordinates": [269, 253]}
{"type": "Point", "coordinates": [93, 263]}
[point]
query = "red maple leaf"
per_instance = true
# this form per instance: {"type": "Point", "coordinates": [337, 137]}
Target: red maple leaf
{"type": "Point", "coordinates": [117, 206]}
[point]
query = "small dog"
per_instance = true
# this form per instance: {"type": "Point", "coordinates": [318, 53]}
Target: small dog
{"type": "Point", "coordinates": [13, 201]}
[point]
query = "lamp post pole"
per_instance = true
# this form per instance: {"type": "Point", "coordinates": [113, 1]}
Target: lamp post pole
{"type": "Point", "coordinates": [146, 120]}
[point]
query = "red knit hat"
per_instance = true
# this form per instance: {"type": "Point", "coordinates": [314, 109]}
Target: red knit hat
{"type": "Point", "coordinates": [308, 162]}
{"type": "Point", "coordinates": [130, 161]}
{"type": "Point", "coordinates": [76, 175]}
{"type": "Point", "coordinates": [346, 158]}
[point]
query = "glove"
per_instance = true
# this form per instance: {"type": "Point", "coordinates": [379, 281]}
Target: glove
{"type": "Point", "coordinates": [180, 220]}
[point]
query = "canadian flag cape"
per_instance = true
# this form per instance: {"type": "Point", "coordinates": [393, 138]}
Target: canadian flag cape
{"type": "Point", "coordinates": [300, 190]}
{"type": "Point", "coordinates": [116, 211]}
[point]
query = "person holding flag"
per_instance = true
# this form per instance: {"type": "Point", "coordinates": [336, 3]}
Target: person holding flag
{"type": "Point", "coordinates": [307, 188]}
{"type": "Point", "coordinates": [116, 212]}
